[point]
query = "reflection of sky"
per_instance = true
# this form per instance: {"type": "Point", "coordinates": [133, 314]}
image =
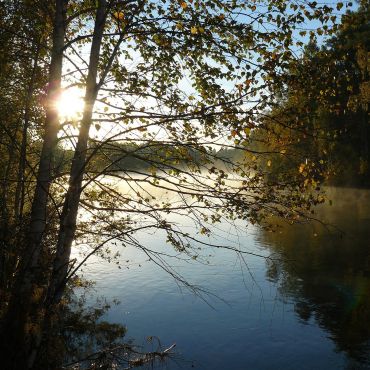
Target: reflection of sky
{"type": "Point", "coordinates": [260, 326]}
{"type": "Point", "coordinates": [253, 330]}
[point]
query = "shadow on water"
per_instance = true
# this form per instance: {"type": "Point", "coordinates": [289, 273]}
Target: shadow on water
{"type": "Point", "coordinates": [326, 274]}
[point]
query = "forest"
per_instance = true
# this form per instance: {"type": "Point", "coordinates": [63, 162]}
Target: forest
{"type": "Point", "coordinates": [243, 110]}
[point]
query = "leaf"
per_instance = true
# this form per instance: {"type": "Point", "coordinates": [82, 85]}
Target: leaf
{"type": "Point", "coordinates": [184, 5]}
{"type": "Point", "coordinates": [247, 130]}
{"type": "Point", "coordinates": [119, 16]}
{"type": "Point", "coordinates": [193, 30]}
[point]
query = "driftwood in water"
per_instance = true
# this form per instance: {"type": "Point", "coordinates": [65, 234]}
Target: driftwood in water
{"type": "Point", "coordinates": [124, 357]}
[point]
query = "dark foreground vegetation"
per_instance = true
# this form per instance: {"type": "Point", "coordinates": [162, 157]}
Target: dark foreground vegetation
{"type": "Point", "coordinates": [294, 118]}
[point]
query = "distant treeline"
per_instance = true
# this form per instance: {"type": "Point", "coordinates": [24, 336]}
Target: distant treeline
{"type": "Point", "coordinates": [130, 156]}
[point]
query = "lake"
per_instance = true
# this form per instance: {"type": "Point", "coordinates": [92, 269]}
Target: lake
{"type": "Point", "coordinates": [303, 303]}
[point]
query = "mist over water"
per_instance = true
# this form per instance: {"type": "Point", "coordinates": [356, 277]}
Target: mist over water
{"type": "Point", "coordinates": [307, 307]}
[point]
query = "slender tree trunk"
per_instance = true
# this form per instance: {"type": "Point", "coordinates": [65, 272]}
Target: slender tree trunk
{"type": "Point", "coordinates": [19, 193]}
{"type": "Point", "coordinates": [5, 224]}
{"type": "Point", "coordinates": [71, 203]}
{"type": "Point", "coordinates": [41, 196]}
{"type": "Point", "coordinates": [364, 117]}
{"type": "Point", "coordinates": [21, 329]}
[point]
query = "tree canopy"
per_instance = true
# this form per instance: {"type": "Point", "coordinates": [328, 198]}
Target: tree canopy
{"type": "Point", "coordinates": [169, 87]}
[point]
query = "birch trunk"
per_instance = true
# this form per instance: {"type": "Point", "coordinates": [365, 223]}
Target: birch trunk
{"type": "Point", "coordinates": [72, 200]}
{"type": "Point", "coordinates": [20, 331]}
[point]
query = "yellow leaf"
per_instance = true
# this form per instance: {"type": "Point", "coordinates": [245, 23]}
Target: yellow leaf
{"type": "Point", "coordinates": [203, 230]}
{"type": "Point", "coordinates": [119, 16]}
{"type": "Point", "coordinates": [184, 5]}
{"type": "Point", "coordinates": [194, 30]}
{"type": "Point", "coordinates": [269, 163]}
{"type": "Point", "coordinates": [321, 199]}
{"type": "Point", "coordinates": [247, 130]}
{"type": "Point", "coordinates": [301, 168]}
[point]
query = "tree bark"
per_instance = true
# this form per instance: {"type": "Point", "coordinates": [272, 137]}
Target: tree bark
{"type": "Point", "coordinates": [19, 194]}
{"type": "Point", "coordinates": [72, 200]}
{"type": "Point", "coordinates": [21, 330]}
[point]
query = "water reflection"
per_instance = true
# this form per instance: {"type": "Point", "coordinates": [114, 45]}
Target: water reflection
{"type": "Point", "coordinates": [326, 273]}
{"type": "Point", "coordinates": [321, 277]}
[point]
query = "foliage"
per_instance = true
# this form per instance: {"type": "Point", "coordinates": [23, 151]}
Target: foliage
{"type": "Point", "coordinates": [320, 122]}
{"type": "Point", "coordinates": [169, 88]}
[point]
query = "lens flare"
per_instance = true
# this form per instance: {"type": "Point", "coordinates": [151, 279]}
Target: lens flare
{"type": "Point", "coordinates": [70, 104]}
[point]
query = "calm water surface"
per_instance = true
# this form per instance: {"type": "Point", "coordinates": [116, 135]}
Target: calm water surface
{"type": "Point", "coordinates": [307, 308]}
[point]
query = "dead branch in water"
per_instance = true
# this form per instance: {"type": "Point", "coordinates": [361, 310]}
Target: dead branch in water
{"type": "Point", "coordinates": [119, 358]}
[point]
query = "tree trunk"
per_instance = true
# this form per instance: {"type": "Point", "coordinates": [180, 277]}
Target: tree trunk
{"type": "Point", "coordinates": [72, 200]}
{"type": "Point", "coordinates": [19, 194]}
{"type": "Point", "coordinates": [21, 327]}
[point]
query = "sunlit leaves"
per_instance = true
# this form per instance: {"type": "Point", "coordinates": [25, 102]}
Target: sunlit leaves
{"type": "Point", "coordinates": [119, 16]}
{"type": "Point", "coordinates": [194, 79]}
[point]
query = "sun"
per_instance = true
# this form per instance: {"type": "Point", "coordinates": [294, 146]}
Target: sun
{"type": "Point", "coordinates": [70, 104]}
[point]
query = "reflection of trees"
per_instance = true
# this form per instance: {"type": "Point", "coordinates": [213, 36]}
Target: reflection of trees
{"type": "Point", "coordinates": [328, 274]}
